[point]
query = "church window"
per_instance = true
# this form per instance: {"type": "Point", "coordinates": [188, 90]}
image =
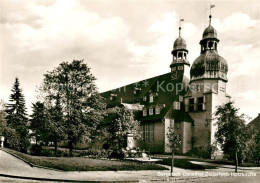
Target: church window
{"type": "Point", "coordinates": [180, 68]}
{"type": "Point", "coordinates": [180, 98]}
{"type": "Point", "coordinates": [148, 132]}
{"type": "Point", "coordinates": [179, 55]}
{"type": "Point", "coordinates": [201, 99]}
{"type": "Point", "coordinates": [151, 111]}
{"type": "Point", "coordinates": [191, 108]}
{"type": "Point", "coordinates": [210, 45]}
{"type": "Point", "coordinates": [191, 101]}
{"type": "Point", "coordinates": [151, 98]}
{"type": "Point", "coordinates": [201, 103]}
{"type": "Point", "coordinates": [144, 112]}
{"type": "Point", "coordinates": [157, 110]}
{"type": "Point", "coordinates": [173, 68]}
{"type": "Point", "coordinates": [144, 98]}
{"type": "Point", "coordinates": [176, 105]}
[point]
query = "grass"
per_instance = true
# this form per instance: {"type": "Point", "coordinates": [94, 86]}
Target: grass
{"type": "Point", "coordinates": [185, 164]}
{"type": "Point", "coordinates": [85, 164]}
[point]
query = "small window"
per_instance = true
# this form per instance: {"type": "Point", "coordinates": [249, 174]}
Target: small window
{"type": "Point", "coordinates": [191, 108]}
{"type": "Point", "coordinates": [144, 112]}
{"type": "Point", "coordinates": [210, 45]}
{"type": "Point", "coordinates": [180, 67]}
{"type": "Point", "coordinates": [150, 111]}
{"type": "Point", "coordinates": [157, 110]}
{"type": "Point", "coordinates": [201, 100]}
{"type": "Point", "coordinates": [176, 105]}
{"type": "Point", "coordinates": [180, 98]}
{"type": "Point", "coordinates": [201, 107]}
{"type": "Point", "coordinates": [144, 98]}
{"type": "Point", "coordinates": [191, 101]}
{"type": "Point", "coordinates": [151, 98]}
{"type": "Point", "coordinates": [173, 68]}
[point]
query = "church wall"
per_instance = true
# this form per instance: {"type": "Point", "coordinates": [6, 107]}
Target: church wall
{"type": "Point", "coordinates": [201, 129]}
{"type": "Point", "coordinates": [158, 144]}
{"type": "Point", "coordinates": [186, 137]}
{"type": "Point", "coordinates": [217, 99]}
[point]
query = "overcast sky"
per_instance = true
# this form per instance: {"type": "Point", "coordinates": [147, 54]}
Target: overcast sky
{"type": "Point", "coordinates": [126, 41]}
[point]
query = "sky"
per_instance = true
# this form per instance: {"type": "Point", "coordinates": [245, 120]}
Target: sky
{"type": "Point", "coordinates": [126, 41]}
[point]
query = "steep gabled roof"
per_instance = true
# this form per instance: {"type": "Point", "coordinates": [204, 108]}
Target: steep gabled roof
{"type": "Point", "coordinates": [162, 87]}
{"type": "Point", "coordinates": [255, 123]}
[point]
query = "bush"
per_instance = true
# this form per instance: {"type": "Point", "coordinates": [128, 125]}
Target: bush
{"type": "Point", "coordinates": [35, 150]}
{"type": "Point", "coordinates": [201, 151]}
{"type": "Point", "coordinates": [95, 153]}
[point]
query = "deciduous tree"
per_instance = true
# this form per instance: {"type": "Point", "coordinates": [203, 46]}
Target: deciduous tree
{"type": "Point", "coordinates": [82, 106]}
{"type": "Point", "coordinates": [174, 143]}
{"type": "Point", "coordinates": [232, 133]}
{"type": "Point", "coordinates": [121, 123]}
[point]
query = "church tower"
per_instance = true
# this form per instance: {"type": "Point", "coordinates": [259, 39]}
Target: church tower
{"type": "Point", "coordinates": [180, 65]}
{"type": "Point", "coordinates": [207, 88]}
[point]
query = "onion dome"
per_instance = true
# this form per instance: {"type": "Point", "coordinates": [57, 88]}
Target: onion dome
{"type": "Point", "coordinates": [179, 44]}
{"type": "Point", "coordinates": [179, 51]}
{"type": "Point", "coordinates": [209, 32]}
{"type": "Point", "coordinates": [209, 65]}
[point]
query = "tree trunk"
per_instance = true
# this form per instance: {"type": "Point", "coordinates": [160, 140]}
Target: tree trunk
{"type": "Point", "coordinates": [236, 161]}
{"type": "Point", "coordinates": [172, 162]}
{"type": "Point", "coordinates": [55, 147]}
{"type": "Point", "coordinates": [70, 148]}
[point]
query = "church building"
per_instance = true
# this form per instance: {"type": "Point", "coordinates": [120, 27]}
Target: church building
{"type": "Point", "coordinates": [184, 98]}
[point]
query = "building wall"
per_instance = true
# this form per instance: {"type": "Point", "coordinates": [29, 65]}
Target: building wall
{"type": "Point", "coordinates": [204, 128]}
{"type": "Point", "coordinates": [157, 145]}
{"type": "Point", "coordinates": [186, 137]}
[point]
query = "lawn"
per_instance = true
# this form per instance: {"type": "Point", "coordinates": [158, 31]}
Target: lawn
{"type": "Point", "coordinates": [85, 164]}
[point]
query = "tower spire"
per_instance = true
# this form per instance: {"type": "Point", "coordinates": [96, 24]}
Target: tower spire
{"type": "Point", "coordinates": [181, 20]}
{"type": "Point", "coordinates": [210, 16]}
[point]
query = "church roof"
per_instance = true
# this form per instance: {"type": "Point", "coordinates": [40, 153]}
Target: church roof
{"type": "Point", "coordinates": [209, 32]}
{"type": "Point", "coordinates": [162, 87]}
{"type": "Point", "coordinates": [210, 60]}
{"type": "Point", "coordinates": [179, 44]}
{"type": "Point", "coordinates": [255, 123]}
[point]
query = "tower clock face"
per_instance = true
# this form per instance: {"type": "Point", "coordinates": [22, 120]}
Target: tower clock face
{"type": "Point", "coordinates": [174, 75]}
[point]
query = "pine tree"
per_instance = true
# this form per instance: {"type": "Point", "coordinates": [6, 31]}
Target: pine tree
{"type": "Point", "coordinates": [17, 119]}
{"type": "Point", "coordinates": [38, 122]}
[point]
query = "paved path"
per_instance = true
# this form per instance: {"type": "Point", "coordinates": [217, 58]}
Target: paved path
{"type": "Point", "coordinates": [9, 165]}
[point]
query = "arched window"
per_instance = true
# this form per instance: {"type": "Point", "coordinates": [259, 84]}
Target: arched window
{"type": "Point", "coordinates": [151, 110]}
{"type": "Point", "coordinates": [179, 55]}
{"type": "Point", "coordinates": [144, 112]}
{"type": "Point", "coordinates": [157, 110]}
{"type": "Point", "coordinates": [210, 45]}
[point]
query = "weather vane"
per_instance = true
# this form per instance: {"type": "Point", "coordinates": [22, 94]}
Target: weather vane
{"type": "Point", "coordinates": [181, 20]}
{"type": "Point", "coordinates": [210, 7]}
